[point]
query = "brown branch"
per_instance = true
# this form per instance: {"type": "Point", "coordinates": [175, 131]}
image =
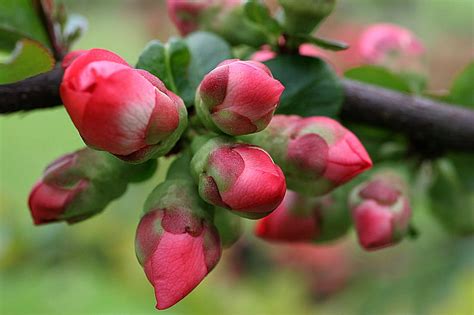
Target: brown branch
{"type": "Point", "coordinates": [431, 124]}
{"type": "Point", "coordinates": [41, 91]}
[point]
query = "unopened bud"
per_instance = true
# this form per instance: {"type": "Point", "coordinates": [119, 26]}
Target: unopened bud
{"type": "Point", "coordinates": [381, 210]}
{"type": "Point", "coordinates": [239, 177]}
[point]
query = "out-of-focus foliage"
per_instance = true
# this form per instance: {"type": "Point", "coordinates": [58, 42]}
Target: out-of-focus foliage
{"type": "Point", "coordinates": [462, 91]}
{"type": "Point", "coordinates": [20, 19]}
{"type": "Point", "coordinates": [311, 86]}
{"type": "Point", "coordinates": [378, 76]}
{"type": "Point", "coordinates": [29, 57]}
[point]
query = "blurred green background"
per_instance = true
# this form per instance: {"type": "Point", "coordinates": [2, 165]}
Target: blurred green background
{"type": "Point", "coordinates": [90, 268]}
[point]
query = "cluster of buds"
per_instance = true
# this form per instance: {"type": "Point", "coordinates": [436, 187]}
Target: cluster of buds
{"type": "Point", "coordinates": [229, 162]}
{"type": "Point", "coordinates": [81, 184]}
{"type": "Point", "coordinates": [317, 154]}
{"type": "Point", "coordinates": [116, 108]}
{"type": "Point", "coordinates": [303, 219]}
{"type": "Point", "coordinates": [381, 210]}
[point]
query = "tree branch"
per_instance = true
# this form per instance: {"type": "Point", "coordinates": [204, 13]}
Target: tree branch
{"type": "Point", "coordinates": [41, 91]}
{"type": "Point", "coordinates": [433, 125]}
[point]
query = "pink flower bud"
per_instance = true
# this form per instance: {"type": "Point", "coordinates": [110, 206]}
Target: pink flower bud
{"type": "Point", "coordinates": [175, 243]}
{"type": "Point", "coordinates": [380, 40]}
{"type": "Point", "coordinates": [238, 97]}
{"type": "Point", "coordinates": [317, 154]}
{"type": "Point", "coordinates": [81, 184]}
{"type": "Point", "coordinates": [290, 222]}
{"type": "Point", "coordinates": [186, 14]}
{"type": "Point", "coordinates": [306, 219]}
{"type": "Point", "coordinates": [381, 211]}
{"type": "Point", "coordinates": [118, 109]}
{"type": "Point", "coordinates": [239, 177]}
{"type": "Point", "coordinates": [49, 200]}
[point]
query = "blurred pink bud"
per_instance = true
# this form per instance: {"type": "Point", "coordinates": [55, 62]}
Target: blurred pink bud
{"type": "Point", "coordinates": [263, 54]}
{"type": "Point", "coordinates": [177, 250]}
{"type": "Point", "coordinates": [185, 14]}
{"type": "Point", "coordinates": [50, 199]}
{"type": "Point", "coordinates": [292, 221]}
{"type": "Point", "coordinates": [238, 97]}
{"type": "Point", "coordinates": [239, 177]}
{"type": "Point", "coordinates": [379, 41]}
{"type": "Point", "coordinates": [310, 50]}
{"type": "Point", "coordinates": [116, 108]}
{"type": "Point", "coordinates": [381, 211]}
{"type": "Point", "coordinates": [328, 268]}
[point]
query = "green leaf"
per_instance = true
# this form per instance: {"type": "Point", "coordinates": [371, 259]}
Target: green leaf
{"type": "Point", "coordinates": [153, 60]}
{"type": "Point", "coordinates": [462, 91]}
{"type": "Point", "coordinates": [28, 59]}
{"type": "Point", "coordinates": [169, 62]}
{"type": "Point", "coordinates": [329, 44]}
{"type": "Point", "coordinates": [258, 13]}
{"type": "Point", "coordinates": [181, 64]}
{"type": "Point", "coordinates": [311, 86]}
{"type": "Point", "coordinates": [379, 76]}
{"type": "Point", "coordinates": [452, 194]}
{"type": "Point", "coordinates": [20, 19]}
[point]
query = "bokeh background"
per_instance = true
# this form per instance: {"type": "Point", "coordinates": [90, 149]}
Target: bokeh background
{"type": "Point", "coordinates": [90, 268]}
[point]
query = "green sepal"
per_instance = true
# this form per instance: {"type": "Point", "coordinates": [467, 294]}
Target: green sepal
{"type": "Point", "coordinates": [203, 113]}
{"type": "Point", "coordinates": [228, 225]}
{"type": "Point", "coordinates": [107, 178]}
{"type": "Point", "coordinates": [234, 27]}
{"type": "Point", "coordinates": [201, 157]}
{"type": "Point", "coordinates": [302, 16]}
{"type": "Point", "coordinates": [178, 194]}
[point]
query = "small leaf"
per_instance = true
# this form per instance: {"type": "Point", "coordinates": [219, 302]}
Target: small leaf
{"type": "Point", "coordinates": [181, 64]}
{"type": "Point", "coordinates": [28, 59]}
{"type": "Point", "coordinates": [462, 91]}
{"type": "Point", "coordinates": [178, 61]}
{"type": "Point", "coordinates": [169, 62]}
{"type": "Point", "coordinates": [20, 19]}
{"type": "Point", "coordinates": [258, 13]}
{"type": "Point", "coordinates": [452, 193]}
{"type": "Point", "coordinates": [311, 86]}
{"type": "Point", "coordinates": [153, 60]}
{"type": "Point", "coordinates": [328, 44]}
{"type": "Point", "coordinates": [379, 76]}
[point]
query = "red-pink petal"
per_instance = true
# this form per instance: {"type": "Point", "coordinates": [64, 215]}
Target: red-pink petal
{"type": "Point", "coordinates": [176, 267]}
{"type": "Point", "coordinates": [374, 225]}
